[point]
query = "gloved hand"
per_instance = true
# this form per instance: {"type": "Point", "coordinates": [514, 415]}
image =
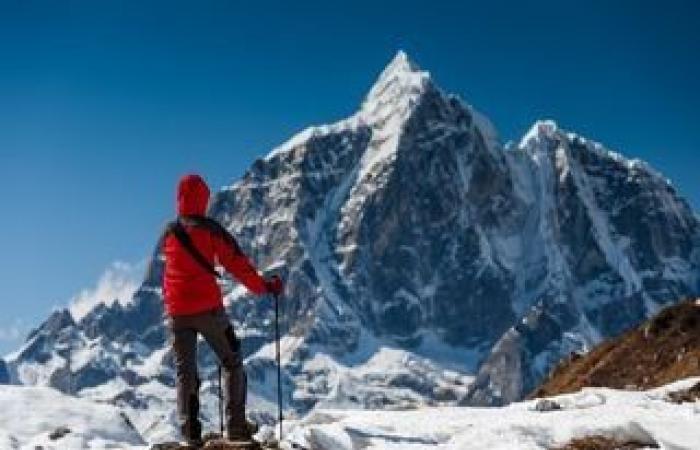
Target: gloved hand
{"type": "Point", "coordinates": [274, 285]}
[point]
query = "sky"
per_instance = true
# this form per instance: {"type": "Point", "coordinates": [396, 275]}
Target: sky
{"type": "Point", "coordinates": [104, 105]}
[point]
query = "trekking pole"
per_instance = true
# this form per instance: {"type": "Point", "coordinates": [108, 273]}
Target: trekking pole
{"type": "Point", "coordinates": [279, 365]}
{"type": "Point", "coordinates": [221, 407]}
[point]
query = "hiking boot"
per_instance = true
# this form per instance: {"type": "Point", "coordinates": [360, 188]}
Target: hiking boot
{"type": "Point", "coordinates": [239, 434]}
{"type": "Point", "coordinates": [253, 427]}
{"type": "Point", "coordinates": [244, 433]}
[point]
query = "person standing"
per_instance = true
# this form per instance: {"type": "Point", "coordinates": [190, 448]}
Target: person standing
{"type": "Point", "coordinates": [191, 246]}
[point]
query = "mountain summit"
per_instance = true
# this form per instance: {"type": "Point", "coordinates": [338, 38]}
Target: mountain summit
{"type": "Point", "coordinates": [399, 86]}
{"type": "Point", "coordinates": [425, 264]}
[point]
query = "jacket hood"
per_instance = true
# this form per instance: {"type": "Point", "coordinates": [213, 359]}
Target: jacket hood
{"type": "Point", "coordinates": [192, 196]}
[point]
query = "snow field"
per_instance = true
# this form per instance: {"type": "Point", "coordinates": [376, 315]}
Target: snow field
{"type": "Point", "coordinates": [643, 416]}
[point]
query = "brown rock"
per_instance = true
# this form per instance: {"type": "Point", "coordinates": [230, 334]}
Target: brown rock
{"type": "Point", "coordinates": [664, 349]}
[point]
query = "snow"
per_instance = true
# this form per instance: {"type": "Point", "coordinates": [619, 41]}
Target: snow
{"type": "Point", "coordinates": [288, 344]}
{"type": "Point", "coordinates": [642, 416]}
{"type": "Point", "coordinates": [234, 291]}
{"type": "Point", "coordinates": [151, 365]}
{"type": "Point", "coordinates": [30, 414]}
{"type": "Point", "coordinates": [544, 174]}
{"type": "Point", "coordinates": [400, 77]}
{"type": "Point", "coordinates": [612, 250]}
{"type": "Point", "coordinates": [33, 373]}
{"type": "Point", "coordinates": [387, 106]}
{"type": "Point", "coordinates": [302, 137]}
{"type": "Point", "coordinates": [541, 129]}
{"type": "Point", "coordinates": [375, 369]}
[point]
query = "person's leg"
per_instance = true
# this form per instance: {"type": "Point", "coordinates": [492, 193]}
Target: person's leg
{"type": "Point", "coordinates": [218, 332]}
{"type": "Point", "coordinates": [184, 344]}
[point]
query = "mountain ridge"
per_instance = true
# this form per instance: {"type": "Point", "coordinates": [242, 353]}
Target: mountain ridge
{"type": "Point", "coordinates": [425, 264]}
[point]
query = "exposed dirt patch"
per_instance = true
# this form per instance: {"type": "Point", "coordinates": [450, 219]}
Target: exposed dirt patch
{"type": "Point", "coordinates": [662, 350]}
{"type": "Point", "coordinates": [603, 443]}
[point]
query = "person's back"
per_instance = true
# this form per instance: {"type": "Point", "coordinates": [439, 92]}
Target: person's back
{"type": "Point", "coordinates": [188, 287]}
{"type": "Point", "coordinates": [192, 245]}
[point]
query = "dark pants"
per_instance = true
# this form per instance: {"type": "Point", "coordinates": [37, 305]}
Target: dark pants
{"type": "Point", "coordinates": [216, 329]}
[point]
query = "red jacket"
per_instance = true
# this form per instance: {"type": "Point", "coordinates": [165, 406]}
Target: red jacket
{"type": "Point", "coordinates": [188, 288]}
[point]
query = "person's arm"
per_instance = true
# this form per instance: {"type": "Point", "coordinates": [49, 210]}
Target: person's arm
{"type": "Point", "coordinates": [229, 255]}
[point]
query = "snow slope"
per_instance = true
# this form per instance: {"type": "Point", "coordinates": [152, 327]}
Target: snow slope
{"type": "Point", "coordinates": [29, 415]}
{"type": "Point", "coordinates": [645, 417]}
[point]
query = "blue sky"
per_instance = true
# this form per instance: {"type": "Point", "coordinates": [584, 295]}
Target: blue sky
{"type": "Point", "coordinates": [103, 105]}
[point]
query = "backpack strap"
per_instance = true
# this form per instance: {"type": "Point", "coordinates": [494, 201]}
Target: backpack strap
{"type": "Point", "coordinates": [178, 230]}
{"type": "Point", "coordinates": [213, 227]}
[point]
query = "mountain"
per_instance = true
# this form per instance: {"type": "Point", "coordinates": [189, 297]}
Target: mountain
{"type": "Point", "coordinates": [426, 264]}
{"type": "Point", "coordinates": [663, 349]}
{"type": "Point", "coordinates": [613, 243]}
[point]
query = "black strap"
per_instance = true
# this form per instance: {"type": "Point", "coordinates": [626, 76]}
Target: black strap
{"type": "Point", "coordinates": [213, 227]}
{"type": "Point", "coordinates": [179, 231]}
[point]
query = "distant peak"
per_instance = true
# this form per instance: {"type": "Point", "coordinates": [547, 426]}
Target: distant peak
{"type": "Point", "coordinates": [401, 63]}
{"type": "Point", "coordinates": [544, 128]}
{"type": "Point", "coordinates": [541, 130]}
{"type": "Point", "coordinates": [544, 132]}
{"type": "Point", "coordinates": [398, 86]}
{"type": "Point", "coordinates": [400, 66]}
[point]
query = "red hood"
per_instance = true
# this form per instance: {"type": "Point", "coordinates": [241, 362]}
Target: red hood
{"type": "Point", "coordinates": [192, 196]}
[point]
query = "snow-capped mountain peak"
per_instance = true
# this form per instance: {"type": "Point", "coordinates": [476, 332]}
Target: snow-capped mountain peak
{"type": "Point", "coordinates": [397, 89]}
{"type": "Point", "coordinates": [541, 131]}
{"type": "Point", "coordinates": [388, 103]}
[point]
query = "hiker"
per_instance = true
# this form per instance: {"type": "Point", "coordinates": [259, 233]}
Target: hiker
{"type": "Point", "coordinates": [191, 246]}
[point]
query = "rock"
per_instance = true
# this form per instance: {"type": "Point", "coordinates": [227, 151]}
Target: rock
{"type": "Point", "coordinates": [689, 395]}
{"type": "Point", "coordinates": [214, 444]}
{"type": "Point", "coordinates": [547, 405]}
{"type": "Point", "coordinates": [4, 373]}
{"type": "Point", "coordinates": [58, 433]}
{"type": "Point", "coordinates": [606, 443]}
